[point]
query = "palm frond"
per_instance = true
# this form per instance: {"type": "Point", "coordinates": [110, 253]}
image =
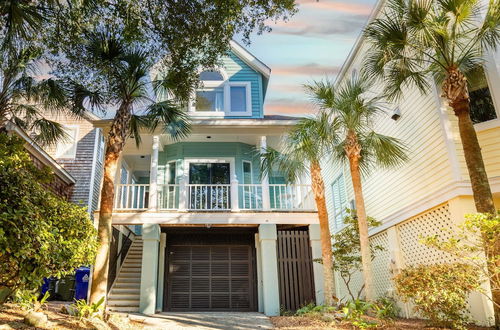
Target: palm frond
{"type": "Point", "coordinates": [168, 115]}
{"type": "Point", "coordinates": [275, 163]}
{"type": "Point", "coordinates": [382, 150]}
{"type": "Point", "coordinates": [47, 132]}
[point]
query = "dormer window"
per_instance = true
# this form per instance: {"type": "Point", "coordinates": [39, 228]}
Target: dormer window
{"type": "Point", "coordinates": [217, 96]}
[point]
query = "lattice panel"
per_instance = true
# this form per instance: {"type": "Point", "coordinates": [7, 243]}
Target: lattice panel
{"type": "Point", "coordinates": [427, 224]}
{"type": "Point", "coordinates": [380, 269]}
{"type": "Point", "coordinates": [381, 265]}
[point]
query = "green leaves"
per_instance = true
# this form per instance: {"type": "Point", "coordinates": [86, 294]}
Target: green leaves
{"type": "Point", "coordinates": [41, 235]}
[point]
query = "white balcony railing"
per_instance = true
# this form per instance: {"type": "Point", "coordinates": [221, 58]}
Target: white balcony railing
{"type": "Point", "coordinates": [216, 197]}
{"type": "Point", "coordinates": [131, 196]}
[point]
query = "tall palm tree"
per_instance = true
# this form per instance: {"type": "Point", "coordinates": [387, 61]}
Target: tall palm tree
{"type": "Point", "coordinates": [358, 144]}
{"type": "Point", "coordinates": [24, 99]}
{"type": "Point", "coordinates": [446, 40]}
{"type": "Point", "coordinates": [126, 70]}
{"type": "Point", "coordinates": [301, 153]}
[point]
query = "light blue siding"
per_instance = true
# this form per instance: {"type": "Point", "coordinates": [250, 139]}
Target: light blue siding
{"type": "Point", "coordinates": [239, 71]}
{"type": "Point", "coordinates": [240, 151]}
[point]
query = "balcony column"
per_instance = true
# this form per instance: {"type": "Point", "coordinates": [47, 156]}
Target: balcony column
{"type": "Point", "coordinates": [269, 269]}
{"type": "Point", "coordinates": [235, 200]}
{"type": "Point", "coordinates": [153, 175]}
{"type": "Point", "coordinates": [266, 201]}
{"type": "Point", "coordinates": [315, 240]}
{"type": "Point", "coordinates": [183, 193]}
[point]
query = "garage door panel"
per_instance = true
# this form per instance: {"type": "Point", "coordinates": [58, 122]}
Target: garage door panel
{"type": "Point", "coordinates": [210, 278]}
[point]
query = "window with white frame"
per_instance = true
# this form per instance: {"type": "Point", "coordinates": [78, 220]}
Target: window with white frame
{"type": "Point", "coordinates": [218, 96]}
{"type": "Point", "coordinates": [339, 201]}
{"type": "Point", "coordinates": [66, 148]}
{"type": "Point", "coordinates": [481, 102]}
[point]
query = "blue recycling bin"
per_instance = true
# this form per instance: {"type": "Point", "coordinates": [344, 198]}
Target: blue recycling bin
{"type": "Point", "coordinates": [82, 277]}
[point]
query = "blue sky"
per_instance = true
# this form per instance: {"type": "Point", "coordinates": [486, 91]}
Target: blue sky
{"type": "Point", "coordinates": [313, 44]}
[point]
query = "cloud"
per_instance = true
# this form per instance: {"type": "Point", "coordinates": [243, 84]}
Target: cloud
{"type": "Point", "coordinates": [337, 6]}
{"type": "Point", "coordinates": [288, 106]}
{"type": "Point", "coordinates": [321, 27]}
{"type": "Point", "coordinates": [308, 69]}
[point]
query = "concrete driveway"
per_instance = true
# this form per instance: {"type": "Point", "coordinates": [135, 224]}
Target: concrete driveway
{"type": "Point", "coordinates": [204, 320]}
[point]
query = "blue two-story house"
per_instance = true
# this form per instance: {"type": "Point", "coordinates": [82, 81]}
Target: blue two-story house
{"type": "Point", "coordinates": [212, 234]}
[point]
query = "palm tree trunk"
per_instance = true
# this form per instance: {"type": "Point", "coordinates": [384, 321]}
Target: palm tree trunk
{"type": "Point", "coordinates": [353, 151]}
{"type": "Point", "coordinates": [455, 90]}
{"type": "Point", "coordinates": [115, 143]}
{"type": "Point", "coordinates": [318, 187]}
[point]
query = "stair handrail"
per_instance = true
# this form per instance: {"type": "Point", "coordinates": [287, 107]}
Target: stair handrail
{"type": "Point", "coordinates": [115, 262]}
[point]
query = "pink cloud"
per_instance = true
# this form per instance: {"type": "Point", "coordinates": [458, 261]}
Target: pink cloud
{"type": "Point", "coordinates": [337, 6]}
{"type": "Point", "coordinates": [310, 69]}
{"type": "Point", "coordinates": [283, 107]}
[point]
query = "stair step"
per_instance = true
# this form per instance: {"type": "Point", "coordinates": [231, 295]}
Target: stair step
{"type": "Point", "coordinates": [130, 275]}
{"type": "Point", "coordinates": [114, 297]}
{"type": "Point", "coordinates": [126, 302]}
{"type": "Point", "coordinates": [129, 309]}
{"type": "Point", "coordinates": [128, 280]}
{"type": "Point", "coordinates": [129, 269]}
{"type": "Point", "coordinates": [120, 291]}
{"type": "Point", "coordinates": [127, 286]}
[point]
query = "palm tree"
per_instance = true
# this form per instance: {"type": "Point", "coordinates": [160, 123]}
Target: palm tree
{"type": "Point", "coordinates": [301, 153]}
{"type": "Point", "coordinates": [446, 40]}
{"type": "Point", "coordinates": [24, 100]}
{"type": "Point", "coordinates": [358, 144]}
{"type": "Point", "coordinates": [126, 70]}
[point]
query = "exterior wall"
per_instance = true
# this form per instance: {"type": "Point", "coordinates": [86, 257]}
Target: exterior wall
{"type": "Point", "coordinates": [238, 70]}
{"type": "Point", "coordinates": [240, 151]}
{"type": "Point", "coordinates": [81, 167]}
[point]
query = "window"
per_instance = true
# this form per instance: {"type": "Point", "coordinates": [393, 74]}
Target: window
{"type": "Point", "coordinates": [339, 201]}
{"type": "Point", "coordinates": [171, 172]}
{"type": "Point", "coordinates": [481, 102]}
{"type": "Point", "coordinates": [218, 96]}
{"type": "Point", "coordinates": [67, 147]}
{"type": "Point", "coordinates": [247, 172]}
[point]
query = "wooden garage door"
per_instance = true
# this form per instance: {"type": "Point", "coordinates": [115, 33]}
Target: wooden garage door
{"type": "Point", "coordinates": [210, 278]}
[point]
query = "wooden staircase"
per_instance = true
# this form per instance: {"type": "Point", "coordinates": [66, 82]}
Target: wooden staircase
{"type": "Point", "coordinates": [125, 292]}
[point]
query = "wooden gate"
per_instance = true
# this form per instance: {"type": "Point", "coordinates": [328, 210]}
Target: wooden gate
{"type": "Point", "coordinates": [295, 267]}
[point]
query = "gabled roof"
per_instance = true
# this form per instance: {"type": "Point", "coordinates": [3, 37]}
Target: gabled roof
{"type": "Point", "coordinates": [250, 59]}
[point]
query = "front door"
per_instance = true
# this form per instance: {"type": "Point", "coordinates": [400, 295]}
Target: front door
{"type": "Point", "coordinates": [209, 185]}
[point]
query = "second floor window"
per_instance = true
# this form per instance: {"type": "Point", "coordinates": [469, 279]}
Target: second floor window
{"type": "Point", "coordinates": [481, 103]}
{"type": "Point", "coordinates": [339, 201]}
{"type": "Point", "coordinates": [219, 96]}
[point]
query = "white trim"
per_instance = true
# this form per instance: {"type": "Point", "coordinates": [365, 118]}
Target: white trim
{"type": "Point", "coordinates": [221, 218]}
{"type": "Point", "coordinates": [224, 122]}
{"type": "Point", "coordinates": [250, 59]}
{"type": "Point", "coordinates": [167, 174]}
{"type": "Point", "coordinates": [227, 98]}
{"type": "Point", "coordinates": [189, 160]}
{"type": "Point", "coordinates": [447, 131]}
{"type": "Point", "coordinates": [486, 125]}
{"type": "Point", "coordinates": [43, 156]}
{"type": "Point", "coordinates": [493, 79]}
{"type": "Point", "coordinates": [58, 146]}
{"type": "Point", "coordinates": [92, 173]}
{"type": "Point", "coordinates": [243, 171]}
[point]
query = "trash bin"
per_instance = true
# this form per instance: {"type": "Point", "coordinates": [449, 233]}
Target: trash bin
{"type": "Point", "coordinates": [49, 284]}
{"type": "Point", "coordinates": [66, 288]}
{"type": "Point", "coordinates": [82, 277]}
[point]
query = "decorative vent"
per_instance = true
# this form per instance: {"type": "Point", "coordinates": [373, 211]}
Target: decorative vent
{"type": "Point", "coordinates": [436, 221]}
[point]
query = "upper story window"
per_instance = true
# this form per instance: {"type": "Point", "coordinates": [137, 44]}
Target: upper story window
{"type": "Point", "coordinates": [481, 103]}
{"type": "Point", "coordinates": [218, 96]}
{"type": "Point", "coordinates": [66, 148]}
{"type": "Point", "coordinates": [339, 201]}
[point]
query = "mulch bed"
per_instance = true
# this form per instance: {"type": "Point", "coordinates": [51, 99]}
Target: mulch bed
{"type": "Point", "coordinates": [310, 323]}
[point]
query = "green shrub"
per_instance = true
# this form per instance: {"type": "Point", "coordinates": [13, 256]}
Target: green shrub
{"type": "Point", "coordinates": [439, 292]}
{"type": "Point", "coordinates": [312, 309]}
{"type": "Point", "coordinates": [28, 300]}
{"type": "Point", "coordinates": [41, 235]}
{"type": "Point", "coordinates": [386, 308]}
{"type": "Point", "coordinates": [83, 310]}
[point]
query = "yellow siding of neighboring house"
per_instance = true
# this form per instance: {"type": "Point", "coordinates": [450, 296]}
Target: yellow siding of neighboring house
{"type": "Point", "coordinates": [388, 190]}
{"type": "Point", "coordinates": [490, 145]}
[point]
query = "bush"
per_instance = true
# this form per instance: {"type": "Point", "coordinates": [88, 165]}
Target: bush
{"type": "Point", "coordinates": [439, 291]}
{"type": "Point", "coordinates": [83, 310]}
{"type": "Point", "coordinates": [41, 235]}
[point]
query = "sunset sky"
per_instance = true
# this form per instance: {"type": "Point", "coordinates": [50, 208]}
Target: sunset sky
{"type": "Point", "coordinates": [313, 44]}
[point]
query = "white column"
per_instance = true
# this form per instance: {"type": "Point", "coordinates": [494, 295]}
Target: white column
{"type": "Point", "coordinates": [153, 175]}
{"type": "Point", "coordinates": [161, 272]}
{"type": "Point", "coordinates": [149, 269]}
{"type": "Point", "coordinates": [266, 201]}
{"type": "Point", "coordinates": [315, 238]}
{"type": "Point", "coordinates": [235, 198]}
{"type": "Point", "coordinates": [269, 261]}
{"type": "Point", "coordinates": [183, 193]}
